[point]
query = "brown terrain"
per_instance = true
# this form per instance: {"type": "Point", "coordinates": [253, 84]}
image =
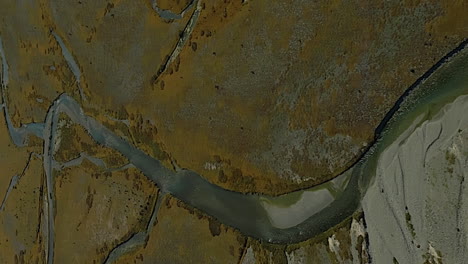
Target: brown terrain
{"type": "Point", "coordinates": [254, 95]}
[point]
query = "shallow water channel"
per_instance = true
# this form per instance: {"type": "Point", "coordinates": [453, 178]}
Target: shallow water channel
{"type": "Point", "coordinates": [288, 218]}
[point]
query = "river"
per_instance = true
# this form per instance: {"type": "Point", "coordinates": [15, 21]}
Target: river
{"type": "Point", "coordinates": [290, 218]}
